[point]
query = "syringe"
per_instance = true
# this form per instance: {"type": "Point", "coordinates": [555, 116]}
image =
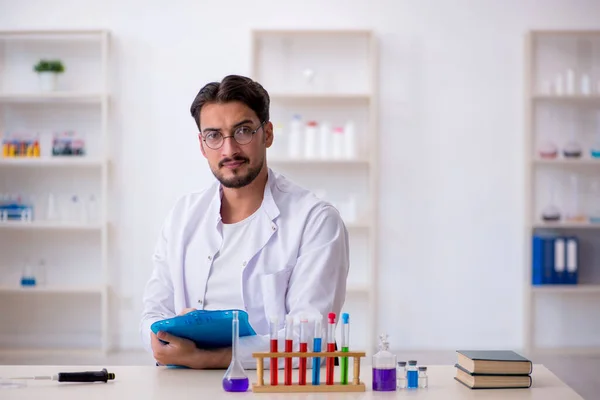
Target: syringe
{"type": "Point", "coordinates": [87, 376]}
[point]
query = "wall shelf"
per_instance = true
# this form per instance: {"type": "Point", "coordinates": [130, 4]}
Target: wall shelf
{"type": "Point", "coordinates": [301, 162]}
{"type": "Point", "coordinates": [344, 88]}
{"type": "Point", "coordinates": [49, 225]}
{"type": "Point", "coordinates": [95, 290]}
{"type": "Point", "coordinates": [80, 104]}
{"type": "Point", "coordinates": [566, 289]}
{"type": "Point", "coordinates": [558, 117]}
{"type": "Point", "coordinates": [63, 97]}
{"type": "Point", "coordinates": [70, 162]}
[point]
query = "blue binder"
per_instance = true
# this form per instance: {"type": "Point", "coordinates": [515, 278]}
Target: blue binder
{"type": "Point", "coordinates": [207, 329]}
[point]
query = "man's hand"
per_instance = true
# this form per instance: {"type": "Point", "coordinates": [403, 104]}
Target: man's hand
{"type": "Point", "coordinates": [183, 352]}
{"type": "Point", "coordinates": [186, 310]}
{"type": "Point", "coordinates": [178, 351]}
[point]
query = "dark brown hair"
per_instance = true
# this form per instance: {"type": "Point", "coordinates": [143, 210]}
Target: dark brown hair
{"type": "Point", "coordinates": [233, 88]}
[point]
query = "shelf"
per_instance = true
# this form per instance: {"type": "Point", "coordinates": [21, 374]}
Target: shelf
{"type": "Point", "coordinates": [567, 161]}
{"type": "Point", "coordinates": [357, 225]}
{"type": "Point", "coordinates": [49, 225]}
{"type": "Point", "coordinates": [593, 98]}
{"type": "Point", "coordinates": [51, 290]}
{"type": "Point", "coordinates": [50, 97]}
{"type": "Point", "coordinates": [320, 96]}
{"type": "Point", "coordinates": [566, 289]}
{"type": "Point", "coordinates": [317, 162]}
{"type": "Point", "coordinates": [566, 225]}
{"type": "Point", "coordinates": [358, 288]}
{"type": "Point", "coordinates": [74, 161]}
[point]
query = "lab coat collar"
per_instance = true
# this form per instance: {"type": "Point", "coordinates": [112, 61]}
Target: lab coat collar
{"type": "Point", "coordinates": [268, 204]}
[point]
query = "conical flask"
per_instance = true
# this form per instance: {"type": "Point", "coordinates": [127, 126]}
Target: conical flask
{"type": "Point", "coordinates": [235, 379]}
{"type": "Point", "coordinates": [551, 212]}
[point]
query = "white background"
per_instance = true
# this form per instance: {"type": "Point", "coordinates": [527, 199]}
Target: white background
{"type": "Point", "coordinates": [452, 126]}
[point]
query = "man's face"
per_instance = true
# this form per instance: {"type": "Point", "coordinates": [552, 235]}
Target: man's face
{"type": "Point", "coordinates": [235, 165]}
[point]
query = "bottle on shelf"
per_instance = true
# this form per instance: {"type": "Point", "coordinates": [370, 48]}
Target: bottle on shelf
{"type": "Point", "coordinates": [325, 140]}
{"type": "Point", "coordinates": [295, 137]}
{"type": "Point", "coordinates": [570, 82]}
{"type": "Point", "coordinates": [572, 148]}
{"type": "Point", "coordinates": [350, 140]}
{"type": "Point", "coordinates": [384, 367]}
{"type": "Point", "coordinates": [310, 140]}
{"type": "Point", "coordinates": [595, 149]}
{"type": "Point", "coordinates": [547, 148]}
{"type": "Point", "coordinates": [551, 212]}
{"type": "Point", "coordinates": [574, 212]}
{"type": "Point", "coordinates": [594, 202]}
{"type": "Point", "coordinates": [337, 143]}
{"type": "Point", "coordinates": [586, 86]}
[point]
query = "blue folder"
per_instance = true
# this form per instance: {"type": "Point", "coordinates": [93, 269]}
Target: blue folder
{"type": "Point", "coordinates": [207, 329]}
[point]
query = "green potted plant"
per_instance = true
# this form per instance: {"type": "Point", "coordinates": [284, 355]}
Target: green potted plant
{"type": "Point", "coordinates": [48, 71]}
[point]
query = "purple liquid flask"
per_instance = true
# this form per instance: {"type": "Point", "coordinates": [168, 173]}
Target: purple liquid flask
{"type": "Point", "coordinates": [384, 368]}
{"type": "Point", "coordinates": [235, 379]}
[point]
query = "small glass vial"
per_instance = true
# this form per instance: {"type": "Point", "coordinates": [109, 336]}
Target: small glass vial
{"type": "Point", "coordinates": [384, 368]}
{"type": "Point", "coordinates": [412, 375]}
{"type": "Point", "coordinates": [401, 375]}
{"type": "Point", "coordinates": [423, 380]}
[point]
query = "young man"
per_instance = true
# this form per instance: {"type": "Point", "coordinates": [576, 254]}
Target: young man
{"type": "Point", "coordinates": [252, 241]}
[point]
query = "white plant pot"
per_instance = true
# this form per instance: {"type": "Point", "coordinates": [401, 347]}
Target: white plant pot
{"type": "Point", "coordinates": [47, 81]}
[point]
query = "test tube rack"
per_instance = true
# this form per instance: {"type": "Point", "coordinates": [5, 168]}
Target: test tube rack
{"type": "Point", "coordinates": [354, 386]}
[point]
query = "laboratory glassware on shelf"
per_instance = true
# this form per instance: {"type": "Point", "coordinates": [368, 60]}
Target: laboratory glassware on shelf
{"type": "Point", "coordinates": [235, 379]}
{"type": "Point", "coordinates": [574, 213]}
{"type": "Point", "coordinates": [551, 212]}
{"type": "Point", "coordinates": [384, 367]}
{"type": "Point", "coordinates": [547, 148]}
{"type": "Point", "coordinates": [572, 148]}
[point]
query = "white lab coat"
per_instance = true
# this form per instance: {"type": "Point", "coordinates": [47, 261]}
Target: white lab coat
{"type": "Point", "coordinates": [297, 263]}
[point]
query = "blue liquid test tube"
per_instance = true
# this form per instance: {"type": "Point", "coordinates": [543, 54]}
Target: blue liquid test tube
{"type": "Point", "coordinates": [316, 362]}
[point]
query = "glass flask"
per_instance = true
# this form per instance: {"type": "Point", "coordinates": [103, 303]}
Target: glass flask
{"type": "Point", "coordinates": [384, 367]}
{"type": "Point", "coordinates": [235, 379]}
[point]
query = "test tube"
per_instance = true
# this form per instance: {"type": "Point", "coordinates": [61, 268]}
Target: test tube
{"type": "Point", "coordinates": [289, 347]}
{"type": "Point", "coordinates": [345, 347]}
{"type": "Point", "coordinates": [274, 325]}
{"type": "Point", "coordinates": [330, 348]}
{"type": "Point", "coordinates": [303, 349]}
{"type": "Point", "coordinates": [316, 366]}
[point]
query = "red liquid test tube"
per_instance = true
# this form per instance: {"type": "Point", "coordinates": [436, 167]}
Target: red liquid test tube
{"type": "Point", "coordinates": [274, 362]}
{"type": "Point", "coordinates": [330, 348]}
{"type": "Point", "coordinates": [303, 349]}
{"type": "Point", "coordinates": [289, 347]}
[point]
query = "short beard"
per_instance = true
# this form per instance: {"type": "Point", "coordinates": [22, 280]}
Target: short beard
{"type": "Point", "coordinates": [238, 181]}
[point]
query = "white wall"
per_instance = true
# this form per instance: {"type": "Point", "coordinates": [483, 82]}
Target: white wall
{"type": "Point", "coordinates": [451, 153]}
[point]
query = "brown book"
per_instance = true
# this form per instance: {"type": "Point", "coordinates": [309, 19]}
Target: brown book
{"type": "Point", "coordinates": [494, 362]}
{"type": "Point", "coordinates": [492, 381]}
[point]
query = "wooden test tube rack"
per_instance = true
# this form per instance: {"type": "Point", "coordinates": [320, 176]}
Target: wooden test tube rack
{"type": "Point", "coordinates": [353, 386]}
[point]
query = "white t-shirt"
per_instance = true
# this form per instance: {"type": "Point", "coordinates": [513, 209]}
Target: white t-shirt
{"type": "Point", "coordinates": [224, 286]}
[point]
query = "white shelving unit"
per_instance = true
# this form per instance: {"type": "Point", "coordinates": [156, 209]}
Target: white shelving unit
{"type": "Point", "coordinates": [331, 76]}
{"type": "Point", "coordinates": [558, 112]}
{"type": "Point", "coordinates": [68, 308]}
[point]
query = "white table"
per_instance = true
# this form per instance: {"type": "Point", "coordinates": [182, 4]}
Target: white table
{"type": "Point", "coordinates": [162, 383]}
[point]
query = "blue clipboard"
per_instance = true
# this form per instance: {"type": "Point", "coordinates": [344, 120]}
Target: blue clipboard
{"type": "Point", "coordinates": [207, 329]}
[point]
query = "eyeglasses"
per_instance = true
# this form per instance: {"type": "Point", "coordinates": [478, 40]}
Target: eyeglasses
{"type": "Point", "coordinates": [242, 135]}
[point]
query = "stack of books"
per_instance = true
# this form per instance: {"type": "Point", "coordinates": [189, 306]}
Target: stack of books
{"type": "Point", "coordinates": [493, 369]}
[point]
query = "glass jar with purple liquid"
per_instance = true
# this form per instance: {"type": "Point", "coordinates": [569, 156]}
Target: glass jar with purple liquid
{"type": "Point", "coordinates": [384, 368]}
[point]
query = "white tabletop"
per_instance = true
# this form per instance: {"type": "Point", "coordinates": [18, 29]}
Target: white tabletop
{"type": "Point", "coordinates": [162, 383]}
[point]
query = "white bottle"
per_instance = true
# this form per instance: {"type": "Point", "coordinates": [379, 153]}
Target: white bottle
{"type": "Point", "coordinates": [570, 82]}
{"type": "Point", "coordinates": [325, 141]}
{"type": "Point", "coordinates": [559, 89]}
{"type": "Point", "coordinates": [310, 140]}
{"type": "Point", "coordinates": [350, 140]}
{"type": "Point", "coordinates": [586, 89]}
{"type": "Point", "coordinates": [337, 143]}
{"type": "Point", "coordinates": [295, 137]}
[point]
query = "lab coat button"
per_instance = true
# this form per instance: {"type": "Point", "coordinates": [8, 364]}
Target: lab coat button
{"type": "Point", "coordinates": [244, 264]}
{"type": "Point", "coordinates": [209, 258]}
{"type": "Point", "coordinates": [274, 228]}
{"type": "Point", "coordinates": [199, 301]}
